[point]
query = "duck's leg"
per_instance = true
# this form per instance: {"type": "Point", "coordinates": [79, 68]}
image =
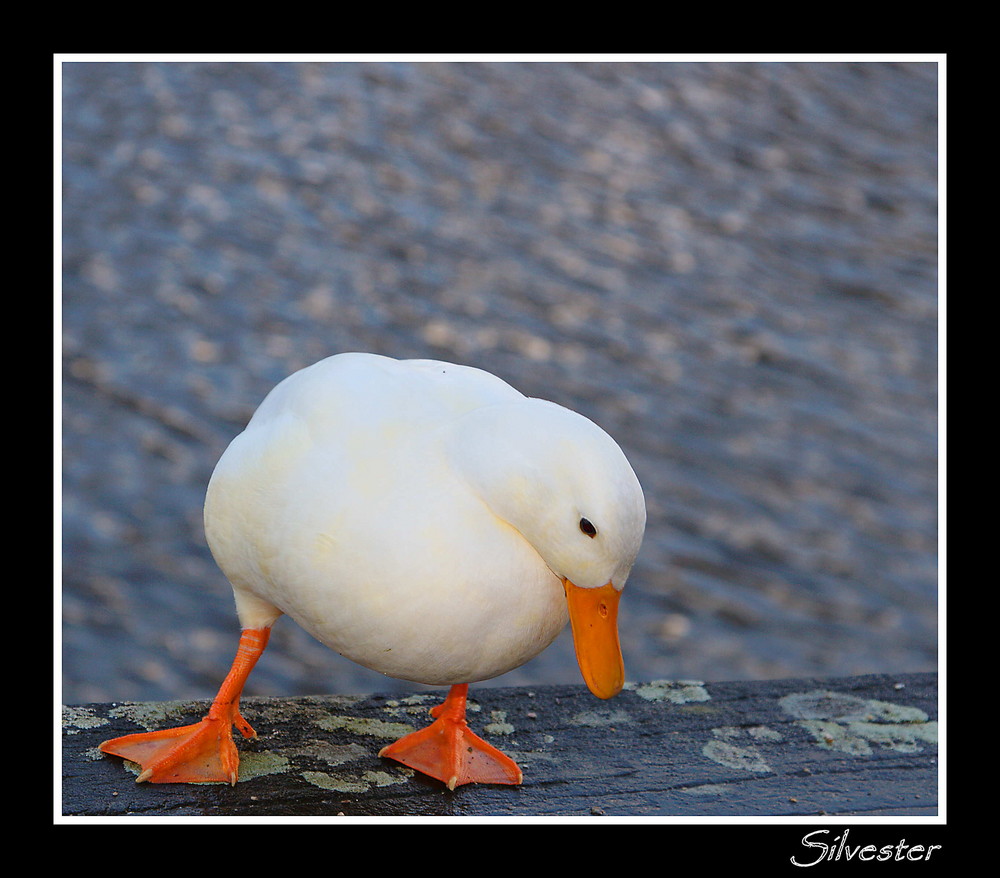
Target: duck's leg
{"type": "Point", "coordinates": [204, 752]}
{"type": "Point", "coordinates": [449, 751]}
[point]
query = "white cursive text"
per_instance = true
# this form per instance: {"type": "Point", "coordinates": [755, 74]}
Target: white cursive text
{"type": "Point", "coordinates": [839, 849]}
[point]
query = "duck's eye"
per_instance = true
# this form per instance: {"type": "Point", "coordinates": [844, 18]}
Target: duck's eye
{"type": "Point", "coordinates": [588, 528]}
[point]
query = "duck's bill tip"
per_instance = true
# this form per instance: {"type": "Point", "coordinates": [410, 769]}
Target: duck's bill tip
{"type": "Point", "coordinates": [593, 614]}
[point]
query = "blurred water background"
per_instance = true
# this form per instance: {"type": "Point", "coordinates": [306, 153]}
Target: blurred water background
{"type": "Point", "coordinates": [732, 267]}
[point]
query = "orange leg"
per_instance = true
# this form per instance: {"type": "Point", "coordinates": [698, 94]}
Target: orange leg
{"type": "Point", "coordinates": [203, 752]}
{"type": "Point", "coordinates": [449, 751]}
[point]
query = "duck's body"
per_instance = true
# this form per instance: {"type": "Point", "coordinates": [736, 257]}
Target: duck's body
{"type": "Point", "coordinates": [424, 519]}
{"type": "Point", "coordinates": [339, 506]}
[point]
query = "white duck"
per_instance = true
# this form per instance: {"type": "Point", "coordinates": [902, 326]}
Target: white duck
{"type": "Point", "coordinates": [427, 521]}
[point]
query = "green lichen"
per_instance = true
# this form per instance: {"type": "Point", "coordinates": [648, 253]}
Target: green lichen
{"type": "Point", "coordinates": [419, 698]}
{"type": "Point", "coordinates": [411, 705]}
{"type": "Point", "coordinates": [674, 691]}
{"type": "Point", "coordinates": [155, 715]}
{"type": "Point", "coordinates": [840, 707]}
{"type": "Point", "coordinates": [857, 738]}
{"type": "Point", "coordinates": [331, 754]}
{"type": "Point", "coordinates": [359, 726]}
{"type": "Point", "coordinates": [260, 764]}
{"type": "Point", "coordinates": [367, 780]}
{"type": "Point", "coordinates": [384, 779]}
{"type": "Point", "coordinates": [74, 719]}
{"type": "Point", "coordinates": [763, 733]}
{"type": "Point", "coordinates": [734, 756]}
{"type": "Point", "coordinates": [729, 747]}
{"type": "Point", "coordinates": [335, 784]}
{"type": "Point", "coordinates": [599, 719]}
{"type": "Point", "coordinates": [852, 725]}
{"type": "Point", "coordinates": [499, 725]}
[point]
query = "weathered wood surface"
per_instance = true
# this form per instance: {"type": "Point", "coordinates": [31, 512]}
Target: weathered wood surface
{"type": "Point", "coordinates": [847, 746]}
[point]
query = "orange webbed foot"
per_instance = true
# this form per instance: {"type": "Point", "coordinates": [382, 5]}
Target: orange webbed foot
{"type": "Point", "coordinates": [200, 753]}
{"type": "Point", "coordinates": [450, 751]}
{"type": "Point", "coordinates": [205, 751]}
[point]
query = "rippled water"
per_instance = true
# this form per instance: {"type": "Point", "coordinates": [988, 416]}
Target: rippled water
{"type": "Point", "coordinates": [731, 267]}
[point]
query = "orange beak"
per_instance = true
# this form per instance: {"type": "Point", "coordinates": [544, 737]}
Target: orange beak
{"type": "Point", "coordinates": [593, 616]}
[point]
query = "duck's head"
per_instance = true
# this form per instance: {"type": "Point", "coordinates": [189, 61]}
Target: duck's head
{"type": "Point", "coordinates": [567, 488]}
